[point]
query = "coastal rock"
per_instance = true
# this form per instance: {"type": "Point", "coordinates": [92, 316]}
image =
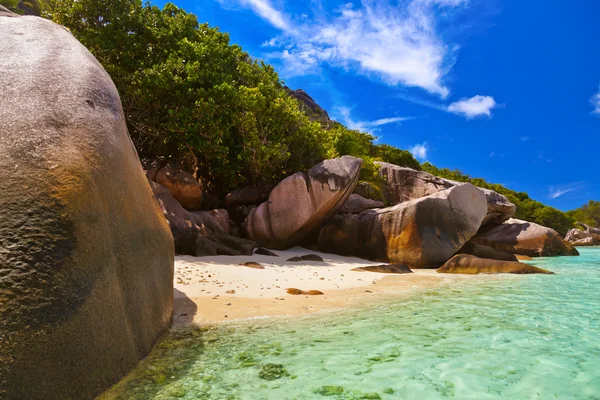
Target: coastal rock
{"type": "Point", "coordinates": [421, 233]}
{"type": "Point", "coordinates": [182, 185]}
{"type": "Point", "coordinates": [406, 184]}
{"type": "Point", "coordinates": [265, 252]}
{"type": "Point", "coordinates": [356, 203]}
{"type": "Point", "coordinates": [525, 238]}
{"type": "Point", "coordinates": [248, 196]}
{"type": "Point", "coordinates": [308, 257]}
{"type": "Point", "coordinates": [593, 232]}
{"type": "Point", "coordinates": [298, 292]}
{"type": "Point", "coordinates": [386, 269]}
{"type": "Point", "coordinates": [197, 234]}
{"type": "Point", "coordinates": [251, 264]}
{"type": "Point", "coordinates": [221, 217]}
{"type": "Point", "coordinates": [578, 237]}
{"type": "Point", "coordinates": [86, 259]}
{"type": "Point", "coordinates": [468, 264]}
{"type": "Point", "coordinates": [239, 214]}
{"type": "Point", "coordinates": [301, 202]}
{"type": "Point", "coordinates": [480, 251]}
{"type": "Point", "coordinates": [370, 191]}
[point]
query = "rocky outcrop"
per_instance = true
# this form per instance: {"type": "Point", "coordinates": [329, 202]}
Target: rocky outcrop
{"type": "Point", "coordinates": [525, 238]}
{"type": "Point", "coordinates": [86, 258]}
{"type": "Point", "coordinates": [406, 184]}
{"type": "Point", "coordinates": [421, 233]}
{"type": "Point", "coordinates": [310, 107]}
{"type": "Point", "coordinates": [386, 269]}
{"type": "Point", "coordinates": [301, 203]}
{"type": "Point", "coordinates": [467, 264]}
{"type": "Point", "coordinates": [578, 237]}
{"type": "Point", "coordinates": [220, 216]}
{"type": "Point", "coordinates": [182, 185]}
{"type": "Point", "coordinates": [480, 251]}
{"type": "Point", "coordinates": [198, 233]}
{"type": "Point", "coordinates": [370, 191]}
{"type": "Point", "coordinates": [248, 196]}
{"type": "Point", "coordinates": [593, 232]}
{"type": "Point", "coordinates": [356, 203]}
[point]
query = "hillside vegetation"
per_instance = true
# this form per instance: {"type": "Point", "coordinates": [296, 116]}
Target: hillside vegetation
{"type": "Point", "coordinates": [190, 95]}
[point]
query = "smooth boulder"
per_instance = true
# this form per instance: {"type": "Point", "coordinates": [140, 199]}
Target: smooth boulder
{"type": "Point", "coordinates": [302, 202]}
{"type": "Point", "coordinates": [471, 265]}
{"type": "Point", "coordinates": [182, 185]}
{"type": "Point", "coordinates": [356, 203]}
{"type": "Point", "coordinates": [406, 184]}
{"type": "Point", "coordinates": [525, 238]}
{"type": "Point", "coordinates": [86, 258]}
{"type": "Point", "coordinates": [421, 233]}
{"type": "Point", "coordinates": [578, 237]}
{"type": "Point", "coordinates": [480, 251]}
{"type": "Point", "coordinates": [386, 269]}
{"type": "Point", "coordinates": [198, 233]}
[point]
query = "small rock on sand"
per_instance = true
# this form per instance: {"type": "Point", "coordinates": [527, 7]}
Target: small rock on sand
{"type": "Point", "coordinates": [308, 257]}
{"type": "Point", "coordinates": [303, 292]}
{"type": "Point", "coordinates": [252, 264]}
{"type": "Point", "coordinates": [265, 252]}
{"type": "Point", "coordinates": [386, 269]}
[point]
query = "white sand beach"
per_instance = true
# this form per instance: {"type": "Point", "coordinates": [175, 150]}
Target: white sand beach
{"type": "Point", "coordinates": [216, 289]}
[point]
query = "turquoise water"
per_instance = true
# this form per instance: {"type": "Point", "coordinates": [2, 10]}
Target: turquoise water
{"type": "Point", "coordinates": [517, 337]}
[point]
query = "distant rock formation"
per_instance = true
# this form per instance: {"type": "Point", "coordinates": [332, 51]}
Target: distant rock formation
{"type": "Point", "coordinates": [310, 107]}
{"type": "Point", "coordinates": [86, 259]}
{"type": "Point", "coordinates": [578, 237]}
{"type": "Point", "coordinates": [525, 238]}
{"type": "Point", "coordinates": [302, 202]}
{"type": "Point", "coordinates": [405, 184]}
{"type": "Point", "coordinates": [424, 232]}
{"type": "Point", "coordinates": [593, 232]}
{"type": "Point", "coordinates": [468, 264]}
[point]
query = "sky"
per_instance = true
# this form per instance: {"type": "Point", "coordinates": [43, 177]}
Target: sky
{"type": "Point", "coordinates": [505, 90]}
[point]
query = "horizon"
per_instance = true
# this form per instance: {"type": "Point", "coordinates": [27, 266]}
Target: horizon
{"type": "Point", "coordinates": [432, 76]}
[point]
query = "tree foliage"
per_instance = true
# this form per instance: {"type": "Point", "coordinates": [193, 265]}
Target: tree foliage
{"type": "Point", "coordinates": [589, 214]}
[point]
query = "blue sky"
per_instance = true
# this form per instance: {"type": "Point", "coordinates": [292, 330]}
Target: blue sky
{"type": "Point", "coordinates": [506, 90]}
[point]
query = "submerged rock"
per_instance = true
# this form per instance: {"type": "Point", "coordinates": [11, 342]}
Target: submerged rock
{"type": "Point", "coordinates": [301, 202]}
{"type": "Point", "coordinates": [386, 269]}
{"type": "Point", "coordinates": [271, 372]}
{"type": "Point", "coordinates": [525, 238]}
{"type": "Point", "coordinates": [421, 233]}
{"type": "Point", "coordinates": [468, 264]}
{"type": "Point", "coordinates": [86, 259]}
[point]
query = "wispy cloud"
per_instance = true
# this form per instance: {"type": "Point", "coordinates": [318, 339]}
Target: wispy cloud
{"type": "Point", "coordinates": [420, 151]}
{"type": "Point", "coordinates": [265, 10]}
{"type": "Point", "coordinates": [554, 192]}
{"type": "Point", "coordinates": [525, 138]}
{"type": "Point", "coordinates": [542, 156]}
{"type": "Point", "coordinates": [344, 115]}
{"type": "Point", "coordinates": [476, 106]}
{"type": "Point", "coordinates": [595, 100]}
{"type": "Point", "coordinates": [398, 44]}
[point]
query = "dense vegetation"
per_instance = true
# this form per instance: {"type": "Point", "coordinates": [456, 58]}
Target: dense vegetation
{"type": "Point", "coordinates": [189, 94]}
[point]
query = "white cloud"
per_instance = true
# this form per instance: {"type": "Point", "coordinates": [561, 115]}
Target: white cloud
{"type": "Point", "coordinates": [554, 192]}
{"type": "Point", "coordinates": [595, 100]}
{"type": "Point", "coordinates": [343, 114]}
{"type": "Point", "coordinates": [474, 107]}
{"type": "Point", "coordinates": [420, 151]}
{"type": "Point", "coordinates": [265, 10]}
{"type": "Point", "coordinates": [398, 44]}
{"type": "Point", "coordinates": [525, 138]}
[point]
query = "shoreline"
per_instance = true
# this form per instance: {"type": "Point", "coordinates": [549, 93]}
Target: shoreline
{"type": "Point", "coordinates": [203, 286]}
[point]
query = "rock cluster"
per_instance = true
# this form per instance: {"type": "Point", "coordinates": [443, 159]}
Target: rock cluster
{"type": "Point", "coordinates": [585, 236]}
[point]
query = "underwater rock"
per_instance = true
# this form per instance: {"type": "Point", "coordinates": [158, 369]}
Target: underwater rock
{"type": "Point", "coordinates": [467, 264]}
{"type": "Point", "coordinates": [271, 372]}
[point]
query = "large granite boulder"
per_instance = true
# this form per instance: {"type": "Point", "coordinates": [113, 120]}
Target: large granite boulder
{"type": "Point", "coordinates": [525, 238]}
{"type": "Point", "coordinates": [182, 185]}
{"type": "Point", "coordinates": [468, 264]}
{"type": "Point", "coordinates": [356, 203]}
{"type": "Point", "coordinates": [480, 251]}
{"type": "Point", "coordinates": [86, 257]}
{"type": "Point", "coordinates": [593, 232]}
{"type": "Point", "coordinates": [405, 184]}
{"type": "Point", "coordinates": [199, 233]}
{"type": "Point", "coordinates": [577, 237]}
{"type": "Point", "coordinates": [301, 202]}
{"type": "Point", "coordinates": [421, 233]}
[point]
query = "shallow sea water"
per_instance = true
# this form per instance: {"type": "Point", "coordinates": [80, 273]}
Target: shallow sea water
{"type": "Point", "coordinates": [512, 337]}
